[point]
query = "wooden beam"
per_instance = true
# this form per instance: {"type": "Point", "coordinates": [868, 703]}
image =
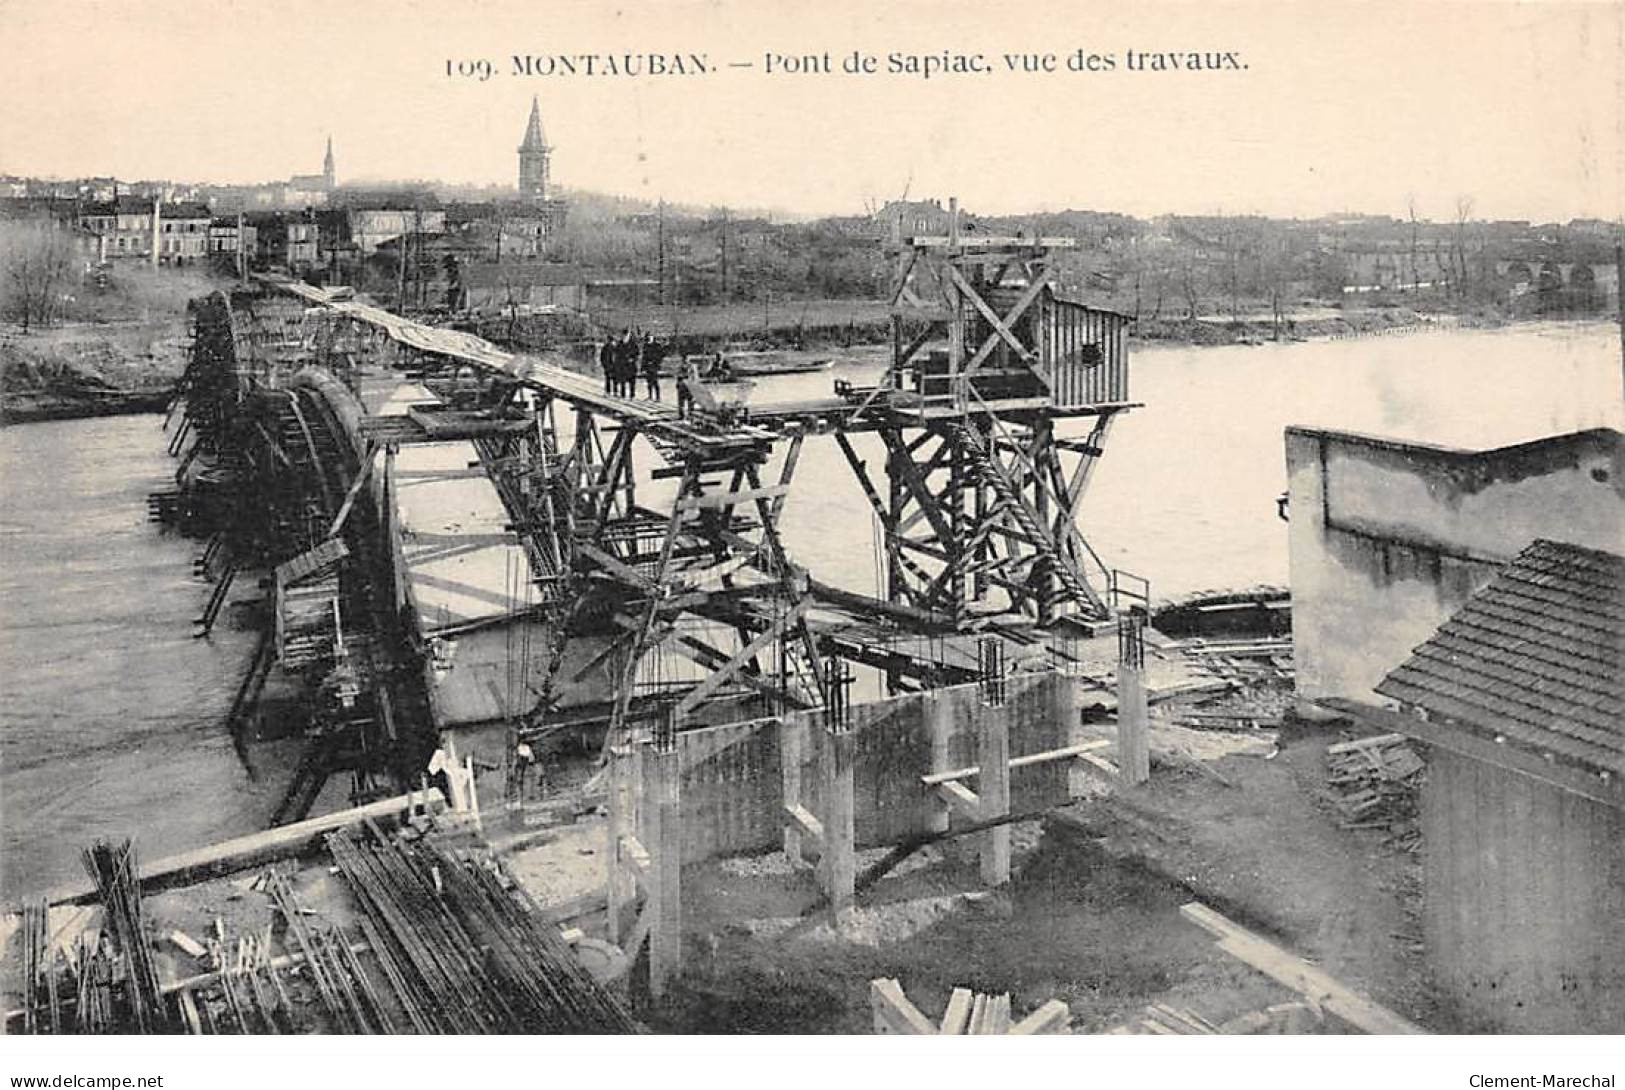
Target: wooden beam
{"type": "Point", "coordinates": [1053, 1017]}
{"type": "Point", "coordinates": [1289, 969]}
{"type": "Point", "coordinates": [733, 499]}
{"type": "Point", "coordinates": [960, 798]}
{"type": "Point", "coordinates": [957, 1016]}
{"type": "Point", "coordinates": [1065, 752]}
{"type": "Point", "coordinates": [810, 827]}
{"type": "Point", "coordinates": [745, 654]}
{"type": "Point", "coordinates": [894, 1013]}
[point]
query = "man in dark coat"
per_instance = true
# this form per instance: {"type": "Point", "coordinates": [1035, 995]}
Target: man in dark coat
{"type": "Point", "coordinates": [606, 363]}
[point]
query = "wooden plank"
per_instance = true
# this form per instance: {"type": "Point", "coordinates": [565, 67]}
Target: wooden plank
{"type": "Point", "coordinates": [733, 499]}
{"type": "Point", "coordinates": [1024, 761]}
{"type": "Point", "coordinates": [960, 798]}
{"type": "Point", "coordinates": [1297, 974]}
{"type": "Point", "coordinates": [809, 825]}
{"type": "Point", "coordinates": [1053, 1017]}
{"type": "Point", "coordinates": [957, 1016]}
{"type": "Point", "coordinates": [998, 1016]}
{"type": "Point", "coordinates": [894, 1013]}
{"type": "Point", "coordinates": [253, 850]}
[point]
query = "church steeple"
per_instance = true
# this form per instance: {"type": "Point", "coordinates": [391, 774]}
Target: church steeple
{"type": "Point", "coordinates": [533, 156]}
{"type": "Point", "coordinates": [327, 164]}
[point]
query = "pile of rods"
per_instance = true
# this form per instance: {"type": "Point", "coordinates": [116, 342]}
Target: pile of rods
{"type": "Point", "coordinates": [347, 993]}
{"type": "Point", "coordinates": [461, 954]}
{"type": "Point", "coordinates": [39, 968]}
{"type": "Point", "coordinates": [114, 870]}
{"type": "Point", "coordinates": [253, 997]}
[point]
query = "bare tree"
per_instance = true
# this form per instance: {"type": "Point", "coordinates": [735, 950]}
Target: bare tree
{"type": "Point", "coordinates": [1464, 213]}
{"type": "Point", "coordinates": [36, 267]}
{"type": "Point", "coordinates": [1410, 206]}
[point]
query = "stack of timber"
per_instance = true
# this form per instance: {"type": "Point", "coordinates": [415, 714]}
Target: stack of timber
{"type": "Point", "coordinates": [1245, 660]}
{"type": "Point", "coordinates": [968, 1012]}
{"type": "Point", "coordinates": [1373, 783]}
{"type": "Point", "coordinates": [1160, 1018]}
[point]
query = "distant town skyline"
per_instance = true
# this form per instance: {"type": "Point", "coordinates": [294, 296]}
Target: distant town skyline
{"type": "Point", "coordinates": [1341, 108]}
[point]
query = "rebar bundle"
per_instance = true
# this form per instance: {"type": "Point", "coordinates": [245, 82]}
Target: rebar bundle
{"type": "Point", "coordinates": [461, 952]}
{"type": "Point", "coordinates": [114, 870]}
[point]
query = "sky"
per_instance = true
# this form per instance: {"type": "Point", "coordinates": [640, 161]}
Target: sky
{"type": "Point", "coordinates": [1321, 107]}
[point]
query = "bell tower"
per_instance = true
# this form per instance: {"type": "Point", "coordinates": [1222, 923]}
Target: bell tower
{"type": "Point", "coordinates": [533, 156]}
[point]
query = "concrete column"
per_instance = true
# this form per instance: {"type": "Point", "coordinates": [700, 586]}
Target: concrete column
{"type": "Point", "coordinates": [792, 745]}
{"type": "Point", "coordinates": [663, 826]}
{"type": "Point", "coordinates": [1064, 707]}
{"type": "Point", "coordinates": [1133, 739]}
{"type": "Point", "coordinates": [938, 710]}
{"type": "Point", "coordinates": [839, 862]}
{"type": "Point", "coordinates": [993, 757]}
{"type": "Point", "coordinates": [615, 827]}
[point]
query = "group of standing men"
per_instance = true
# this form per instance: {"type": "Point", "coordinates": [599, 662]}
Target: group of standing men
{"type": "Point", "coordinates": [625, 358]}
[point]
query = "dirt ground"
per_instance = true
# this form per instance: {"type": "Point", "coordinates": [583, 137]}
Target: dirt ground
{"type": "Point", "coordinates": [1091, 915]}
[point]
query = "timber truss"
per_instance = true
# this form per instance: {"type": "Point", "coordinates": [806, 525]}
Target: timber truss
{"type": "Point", "coordinates": [661, 532]}
{"type": "Point", "coordinates": [980, 499]}
{"type": "Point", "coordinates": [705, 579]}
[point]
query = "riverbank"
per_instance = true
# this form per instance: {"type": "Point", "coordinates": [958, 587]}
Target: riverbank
{"type": "Point", "coordinates": [86, 369]}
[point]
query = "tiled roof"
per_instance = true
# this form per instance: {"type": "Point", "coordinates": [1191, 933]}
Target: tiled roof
{"type": "Point", "coordinates": [1537, 657]}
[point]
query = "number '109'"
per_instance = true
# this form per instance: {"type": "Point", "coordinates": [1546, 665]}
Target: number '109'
{"type": "Point", "coordinates": [480, 70]}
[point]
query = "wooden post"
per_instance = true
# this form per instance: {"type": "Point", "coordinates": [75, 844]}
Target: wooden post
{"type": "Point", "coordinates": [993, 757]}
{"type": "Point", "coordinates": [939, 718]}
{"type": "Point", "coordinates": [792, 745]}
{"type": "Point", "coordinates": [839, 864]}
{"type": "Point", "coordinates": [663, 827]}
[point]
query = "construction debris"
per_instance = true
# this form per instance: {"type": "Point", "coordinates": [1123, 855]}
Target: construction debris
{"type": "Point", "coordinates": [1374, 783]}
{"type": "Point", "coordinates": [1244, 661]}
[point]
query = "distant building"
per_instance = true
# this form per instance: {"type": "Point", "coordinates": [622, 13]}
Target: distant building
{"type": "Point", "coordinates": [228, 237]}
{"type": "Point", "coordinates": [534, 156]}
{"type": "Point", "coordinates": [905, 219]}
{"type": "Point", "coordinates": [298, 193]}
{"type": "Point", "coordinates": [183, 232]}
{"type": "Point", "coordinates": [124, 226]}
{"type": "Point", "coordinates": [494, 286]}
{"type": "Point", "coordinates": [285, 240]}
{"type": "Point", "coordinates": [373, 218]}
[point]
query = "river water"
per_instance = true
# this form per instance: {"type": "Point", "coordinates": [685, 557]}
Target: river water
{"type": "Point", "coordinates": [110, 711]}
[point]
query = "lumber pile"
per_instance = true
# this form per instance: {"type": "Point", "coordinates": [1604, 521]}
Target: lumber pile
{"type": "Point", "coordinates": [1245, 661]}
{"type": "Point", "coordinates": [1161, 1019]}
{"type": "Point", "coordinates": [1373, 783]}
{"type": "Point", "coordinates": [967, 1013]}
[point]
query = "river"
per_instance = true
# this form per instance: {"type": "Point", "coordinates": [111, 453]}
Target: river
{"type": "Point", "coordinates": [110, 710]}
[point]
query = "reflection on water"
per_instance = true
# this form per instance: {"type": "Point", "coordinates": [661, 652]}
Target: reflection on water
{"type": "Point", "coordinates": [110, 711]}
